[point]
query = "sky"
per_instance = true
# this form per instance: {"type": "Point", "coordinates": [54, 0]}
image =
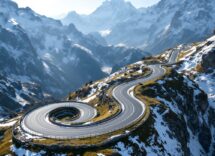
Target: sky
{"type": "Point", "coordinates": [55, 8]}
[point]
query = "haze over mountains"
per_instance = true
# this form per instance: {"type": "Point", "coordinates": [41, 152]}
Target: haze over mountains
{"type": "Point", "coordinates": [109, 14]}
{"type": "Point", "coordinates": [60, 58]}
{"type": "Point", "coordinates": [164, 25]}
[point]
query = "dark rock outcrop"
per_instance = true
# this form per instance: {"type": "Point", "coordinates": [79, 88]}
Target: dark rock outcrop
{"type": "Point", "coordinates": [208, 60]}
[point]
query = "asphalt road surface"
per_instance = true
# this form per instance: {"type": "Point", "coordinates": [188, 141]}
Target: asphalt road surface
{"type": "Point", "coordinates": [36, 122]}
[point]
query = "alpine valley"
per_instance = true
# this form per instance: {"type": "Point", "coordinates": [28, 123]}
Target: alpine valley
{"type": "Point", "coordinates": [84, 58]}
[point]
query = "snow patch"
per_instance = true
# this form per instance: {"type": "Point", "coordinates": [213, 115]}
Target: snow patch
{"type": "Point", "coordinates": [13, 21]}
{"type": "Point", "coordinates": [105, 33]}
{"type": "Point", "coordinates": [171, 144]}
{"type": "Point", "coordinates": [121, 45]}
{"type": "Point", "coordinates": [20, 100]}
{"type": "Point", "coordinates": [83, 48]}
{"type": "Point", "coordinates": [123, 150]}
{"type": "Point", "coordinates": [107, 69]}
{"type": "Point", "coordinates": [207, 83]}
{"type": "Point", "coordinates": [22, 151]}
{"type": "Point", "coordinates": [87, 100]}
{"type": "Point", "coordinates": [8, 124]}
{"type": "Point", "coordinates": [47, 68]}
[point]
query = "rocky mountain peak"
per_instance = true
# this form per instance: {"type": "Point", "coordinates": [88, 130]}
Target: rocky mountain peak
{"type": "Point", "coordinates": [114, 6]}
{"type": "Point", "coordinates": [115, 2]}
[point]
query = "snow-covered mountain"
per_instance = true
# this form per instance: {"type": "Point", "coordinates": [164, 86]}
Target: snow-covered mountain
{"type": "Point", "coordinates": [167, 24]}
{"type": "Point", "coordinates": [60, 58]}
{"type": "Point", "coordinates": [110, 13]}
{"type": "Point", "coordinates": [191, 21]}
{"type": "Point", "coordinates": [29, 48]}
{"type": "Point", "coordinates": [156, 28]}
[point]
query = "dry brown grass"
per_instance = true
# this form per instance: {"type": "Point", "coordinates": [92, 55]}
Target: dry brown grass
{"type": "Point", "coordinates": [72, 96]}
{"type": "Point", "coordinates": [105, 112]}
{"type": "Point", "coordinates": [199, 68]}
{"type": "Point", "coordinates": [183, 54]}
{"type": "Point", "coordinates": [6, 142]}
{"type": "Point", "coordinates": [149, 101]}
{"type": "Point", "coordinates": [94, 140]}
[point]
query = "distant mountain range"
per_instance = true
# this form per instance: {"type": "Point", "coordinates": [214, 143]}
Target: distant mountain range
{"type": "Point", "coordinates": [164, 25]}
{"type": "Point", "coordinates": [109, 14]}
{"type": "Point", "coordinates": [39, 49]}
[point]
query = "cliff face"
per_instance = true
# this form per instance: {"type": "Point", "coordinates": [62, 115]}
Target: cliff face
{"type": "Point", "coordinates": [182, 124]}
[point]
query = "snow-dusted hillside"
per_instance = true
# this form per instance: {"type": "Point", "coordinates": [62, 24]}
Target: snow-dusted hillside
{"type": "Point", "coordinates": [180, 125]}
{"type": "Point", "coordinates": [16, 95]}
{"type": "Point", "coordinates": [183, 121]}
{"type": "Point", "coordinates": [199, 62]}
{"type": "Point", "coordinates": [183, 124]}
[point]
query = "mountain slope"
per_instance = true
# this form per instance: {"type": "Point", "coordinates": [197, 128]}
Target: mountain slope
{"type": "Point", "coordinates": [156, 28]}
{"type": "Point", "coordinates": [26, 46]}
{"type": "Point", "coordinates": [54, 55]}
{"type": "Point", "coordinates": [19, 59]}
{"type": "Point", "coordinates": [16, 95]}
{"type": "Point", "coordinates": [181, 103]}
{"type": "Point", "coordinates": [183, 123]}
{"type": "Point", "coordinates": [167, 24]}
